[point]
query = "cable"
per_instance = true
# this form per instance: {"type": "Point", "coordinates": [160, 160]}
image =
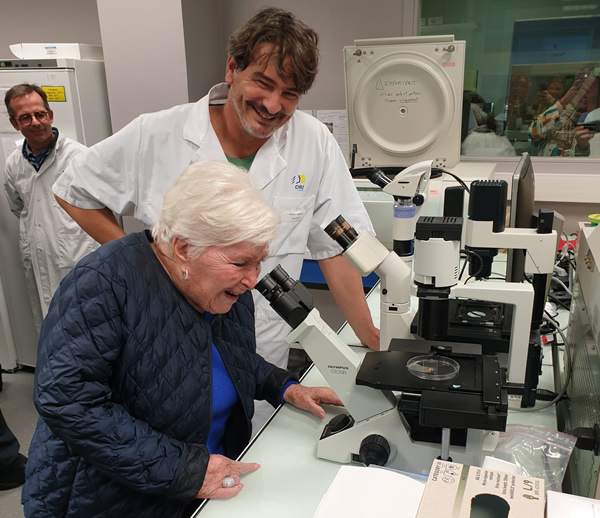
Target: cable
{"type": "Point", "coordinates": [471, 252]}
{"type": "Point", "coordinates": [439, 170]}
{"type": "Point", "coordinates": [496, 277]}
{"type": "Point", "coordinates": [558, 301]}
{"type": "Point", "coordinates": [463, 266]}
{"type": "Point", "coordinates": [563, 390]}
{"type": "Point", "coordinates": [555, 323]}
{"type": "Point", "coordinates": [562, 284]}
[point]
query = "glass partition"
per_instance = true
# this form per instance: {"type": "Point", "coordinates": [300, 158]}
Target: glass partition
{"type": "Point", "coordinates": [532, 72]}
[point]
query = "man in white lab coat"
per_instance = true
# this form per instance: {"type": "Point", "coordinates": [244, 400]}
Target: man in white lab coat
{"type": "Point", "coordinates": [250, 120]}
{"type": "Point", "coordinates": [51, 243]}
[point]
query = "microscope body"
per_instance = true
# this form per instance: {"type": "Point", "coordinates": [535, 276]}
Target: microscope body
{"type": "Point", "coordinates": [436, 243]}
{"type": "Point", "coordinates": [375, 430]}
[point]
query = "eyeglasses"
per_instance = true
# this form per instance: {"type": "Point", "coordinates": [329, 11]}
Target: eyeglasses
{"type": "Point", "coordinates": [26, 120]}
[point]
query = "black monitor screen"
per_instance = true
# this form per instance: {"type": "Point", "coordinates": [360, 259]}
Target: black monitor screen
{"type": "Point", "coordinates": [521, 214]}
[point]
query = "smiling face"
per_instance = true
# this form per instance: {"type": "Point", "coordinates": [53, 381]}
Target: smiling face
{"type": "Point", "coordinates": [219, 275]}
{"type": "Point", "coordinates": [556, 89]}
{"type": "Point", "coordinates": [38, 134]}
{"type": "Point", "coordinates": [263, 100]}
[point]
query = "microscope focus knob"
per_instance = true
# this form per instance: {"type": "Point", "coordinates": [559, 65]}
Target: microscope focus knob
{"type": "Point", "coordinates": [418, 199]}
{"type": "Point", "coordinates": [374, 449]}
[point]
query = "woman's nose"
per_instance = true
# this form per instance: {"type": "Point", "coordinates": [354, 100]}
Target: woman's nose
{"type": "Point", "coordinates": [251, 278]}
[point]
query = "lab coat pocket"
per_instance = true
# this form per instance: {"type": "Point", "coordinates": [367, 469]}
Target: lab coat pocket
{"type": "Point", "coordinates": [292, 233]}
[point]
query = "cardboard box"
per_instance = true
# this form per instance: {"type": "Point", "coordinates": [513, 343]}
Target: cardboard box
{"type": "Point", "coordinates": [457, 491]}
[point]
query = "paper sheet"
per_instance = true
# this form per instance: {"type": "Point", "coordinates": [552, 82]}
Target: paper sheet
{"type": "Point", "coordinates": [5, 125]}
{"type": "Point", "coordinates": [358, 492]}
{"type": "Point", "coordinates": [7, 146]}
{"type": "Point", "coordinates": [337, 122]}
{"type": "Point", "coordinates": [561, 505]}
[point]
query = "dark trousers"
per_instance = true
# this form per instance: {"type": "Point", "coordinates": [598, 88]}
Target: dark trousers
{"type": "Point", "coordinates": [9, 445]}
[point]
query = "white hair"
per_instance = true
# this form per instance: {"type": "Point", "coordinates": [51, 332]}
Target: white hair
{"type": "Point", "coordinates": [214, 204]}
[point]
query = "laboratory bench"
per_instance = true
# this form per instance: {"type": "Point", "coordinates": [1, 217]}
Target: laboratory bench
{"type": "Point", "coordinates": [292, 479]}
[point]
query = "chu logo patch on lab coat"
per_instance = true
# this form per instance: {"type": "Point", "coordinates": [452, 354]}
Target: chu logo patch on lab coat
{"type": "Point", "coordinates": [298, 182]}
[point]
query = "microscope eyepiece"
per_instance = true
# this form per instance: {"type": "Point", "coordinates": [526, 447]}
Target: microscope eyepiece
{"type": "Point", "coordinates": [269, 288]}
{"type": "Point", "coordinates": [282, 278]}
{"type": "Point", "coordinates": [289, 298]}
{"type": "Point", "coordinates": [378, 177]}
{"type": "Point", "coordinates": [341, 232]}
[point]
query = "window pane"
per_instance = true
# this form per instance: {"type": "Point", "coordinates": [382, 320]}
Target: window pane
{"type": "Point", "coordinates": [530, 74]}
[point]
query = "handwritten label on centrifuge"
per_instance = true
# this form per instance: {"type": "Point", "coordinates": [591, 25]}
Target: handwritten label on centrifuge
{"type": "Point", "coordinates": [396, 82]}
{"type": "Point", "coordinates": [401, 91]}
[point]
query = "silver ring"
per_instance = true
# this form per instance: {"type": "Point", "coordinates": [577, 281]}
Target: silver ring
{"type": "Point", "coordinates": [228, 482]}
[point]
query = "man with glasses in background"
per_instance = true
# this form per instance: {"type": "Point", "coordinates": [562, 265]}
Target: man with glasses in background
{"type": "Point", "coordinates": [51, 242]}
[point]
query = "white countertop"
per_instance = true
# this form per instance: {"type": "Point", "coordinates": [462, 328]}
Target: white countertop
{"type": "Point", "coordinates": [292, 480]}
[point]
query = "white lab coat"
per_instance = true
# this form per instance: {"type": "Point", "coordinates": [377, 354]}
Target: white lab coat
{"type": "Point", "coordinates": [300, 172]}
{"type": "Point", "coordinates": [51, 243]}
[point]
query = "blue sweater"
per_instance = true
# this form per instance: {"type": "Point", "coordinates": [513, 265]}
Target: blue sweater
{"type": "Point", "coordinates": [123, 386]}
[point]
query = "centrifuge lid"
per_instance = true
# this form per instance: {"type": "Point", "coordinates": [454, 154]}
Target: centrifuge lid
{"type": "Point", "coordinates": [421, 97]}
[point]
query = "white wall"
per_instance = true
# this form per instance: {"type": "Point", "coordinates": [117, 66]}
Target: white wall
{"type": "Point", "coordinates": [338, 23]}
{"type": "Point", "coordinates": [144, 55]}
{"type": "Point", "coordinates": [178, 46]}
{"type": "Point", "coordinates": [40, 21]}
{"type": "Point", "coordinates": [205, 45]}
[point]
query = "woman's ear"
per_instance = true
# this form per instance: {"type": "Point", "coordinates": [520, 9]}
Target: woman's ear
{"type": "Point", "coordinates": [180, 250]}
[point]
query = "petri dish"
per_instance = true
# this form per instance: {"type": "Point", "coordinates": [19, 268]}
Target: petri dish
{"type": "Point", "coordinates": [433, 367]}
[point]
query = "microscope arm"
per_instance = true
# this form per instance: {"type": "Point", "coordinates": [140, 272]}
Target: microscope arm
{"type": "Point", "coordinates": [339, 365]}
{"type": "Point", "coordinates": [366, 254]}
{"type": "Point", "coordinates": [540, 247]}
{"type": "Point", "coordinates": [409, 188]}
{"type": "Point", "coordinates": [336, 361]}
{"type": "Point", "coordinates": [411, 182]}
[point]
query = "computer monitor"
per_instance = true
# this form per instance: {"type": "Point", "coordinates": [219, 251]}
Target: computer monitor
{"type": "Point", "coordinates": [521, 214]}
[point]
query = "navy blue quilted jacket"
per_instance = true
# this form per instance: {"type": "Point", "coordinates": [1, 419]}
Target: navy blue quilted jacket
{"type": "Point", "coordinates": [124, 390]}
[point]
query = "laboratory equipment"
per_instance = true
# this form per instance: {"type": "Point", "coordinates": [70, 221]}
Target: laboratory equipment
{"type": "Point", "coordinates": [76, 91]}
{"type": "Point", "coordinates": [485, 232]}
{"type": "Point", "coordinates": [582, 407]}
{"type": "Point", "coordinates": [379, 204]}
{"type": "Point", "coordinates": [380, 427]}
{"type": "Point", "coordinates": [409, 190]}
{"type": "Point", "coordinates": [376, 421]}
{"type": "Point", "coordinates": [404, 100]}
{"type": "Point", "coordinates": [77, 94]}
{"type": "Point", "coordinates": [436, 277]}
{"type": "Point", "coordinates": [521, 213]}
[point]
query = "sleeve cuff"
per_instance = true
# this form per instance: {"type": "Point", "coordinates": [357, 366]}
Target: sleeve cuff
{"type": "Point", "coordinates": [291, 382]}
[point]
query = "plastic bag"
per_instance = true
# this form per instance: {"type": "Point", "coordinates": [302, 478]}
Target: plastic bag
{"type": "Point", "coordinates": [538, 452]}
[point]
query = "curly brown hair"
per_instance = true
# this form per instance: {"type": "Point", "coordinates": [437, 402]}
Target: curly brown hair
{"type": "Point", "coordinates": [294, 44]}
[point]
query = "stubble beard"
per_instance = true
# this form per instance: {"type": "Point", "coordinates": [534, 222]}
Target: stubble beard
{"type": "Point", "coordinates": [246, 125]}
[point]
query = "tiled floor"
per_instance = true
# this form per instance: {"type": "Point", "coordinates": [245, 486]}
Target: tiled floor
{"type": "Point", "coordinates": [16, 402]}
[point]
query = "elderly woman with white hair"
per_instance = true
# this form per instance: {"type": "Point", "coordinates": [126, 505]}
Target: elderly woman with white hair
{"type": "Point", "coordinates": [147, 369]}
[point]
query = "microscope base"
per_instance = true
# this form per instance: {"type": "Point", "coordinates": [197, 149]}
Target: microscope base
{"type": "Point", "coordinates": [405, 454]}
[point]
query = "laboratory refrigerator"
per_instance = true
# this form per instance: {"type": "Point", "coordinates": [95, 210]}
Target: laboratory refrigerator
{"type": "Point", "coordinates": [77, 94]}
